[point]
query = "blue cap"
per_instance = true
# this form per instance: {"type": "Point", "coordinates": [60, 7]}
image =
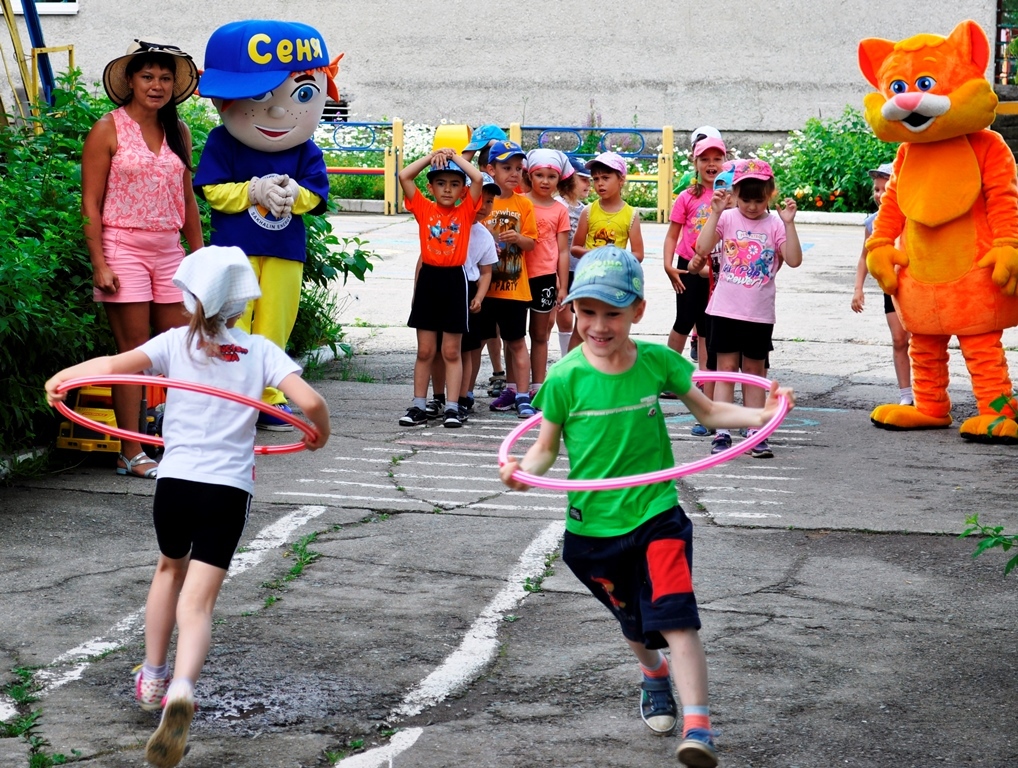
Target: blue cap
{"type": "Point", "coordinates": [483, 135]}
{"type": "Point", "coordinates": [488, 184]}
{"type": "Point", "coordinates": [609, 274]}
{"type": "Point", "coordinates": [245, 59]}
{"type": "Point", "coordinates": [502, 151]}
{"type": "Point", "coordinates": [579, 166]}
{"type": "Point", "coordinates": [449, 167]}
{"type": "Point", "coordinates": [724, 179]}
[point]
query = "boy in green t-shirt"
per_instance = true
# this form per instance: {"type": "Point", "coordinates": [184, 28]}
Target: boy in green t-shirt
{"type": "Point", "coordinates": [632, 547]}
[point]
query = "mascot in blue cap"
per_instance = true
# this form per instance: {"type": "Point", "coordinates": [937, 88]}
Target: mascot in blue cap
{"type": "Point", "coordinates": [260, 170]}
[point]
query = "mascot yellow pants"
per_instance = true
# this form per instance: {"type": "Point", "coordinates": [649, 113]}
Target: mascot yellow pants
{"type": "Point", "coordinates": [274, 314]}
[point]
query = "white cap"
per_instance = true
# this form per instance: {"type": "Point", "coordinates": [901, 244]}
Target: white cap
{"type": "Point", "coordinates": [704, 131]}
{"type": "Point", "coordinates": [221, 278]}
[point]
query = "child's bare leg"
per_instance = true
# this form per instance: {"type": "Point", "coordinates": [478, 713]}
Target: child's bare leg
{"type": "Point", "coordinates": [519, 372]}
{"type": "Point", "coordinates": [427, 343]}
{"type": "Point", "coordinates": [724, 391]}
{"type": "Point", "coordinates": [899, 342]}
{"type": "Point", "coordinates": [438, 374]}
{"type": "Point", "coordinates": [495, 352]}
{"type": "Point", "coordinates": [540, 332]}
{"type": "Point", "coordinates": [194, 618]}
{"type": "Point", "coordinates": [754, 397]}
{"type": "Point", "coordinates": [453, 365]}
{"type": "Point", "coordinates": [677, 341]}
{"type": "Point", "coordinates": [470, 382]}
{"type": "Point", "coordinates": [689, 666]}
{"type": "Point", "coordinates": [161, 608]}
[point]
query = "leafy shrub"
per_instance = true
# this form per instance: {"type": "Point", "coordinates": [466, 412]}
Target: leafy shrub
{"type": "Point", "coordinates": [824, 166]}
{"type": "Point", "coordinates": [47, 317]}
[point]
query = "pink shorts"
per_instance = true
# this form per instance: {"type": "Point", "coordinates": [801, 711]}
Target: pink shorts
{"type": "Point", "coordinates": [145, 262]}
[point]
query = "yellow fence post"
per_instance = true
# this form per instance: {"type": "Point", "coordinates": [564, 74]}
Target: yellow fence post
{"type": "Point", "coordinates": [515, 133]}
{"type": "Point", "coordinates": [394, 193]}
{"type": "Point", "coordinates": [665, 174]}
{"type": "Point", "coordinates": [33, 96]}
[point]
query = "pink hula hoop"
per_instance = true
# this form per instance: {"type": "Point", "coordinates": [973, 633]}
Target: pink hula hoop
{"type": "Point", "coordinates": [190, 386]}
{"type": "Point", "coordinates": [689, 468]}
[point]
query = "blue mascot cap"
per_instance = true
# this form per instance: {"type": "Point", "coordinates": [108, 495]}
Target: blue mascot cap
{"type": "Point", "coordinates": [245, 59]}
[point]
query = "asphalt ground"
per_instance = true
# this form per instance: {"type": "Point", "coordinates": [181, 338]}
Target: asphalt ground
{"type": "Point", "coordinates": [844, 621]}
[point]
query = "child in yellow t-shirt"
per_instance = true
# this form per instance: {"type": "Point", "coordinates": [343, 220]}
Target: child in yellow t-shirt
{"type": "Point", "coordinates": [609, 220]}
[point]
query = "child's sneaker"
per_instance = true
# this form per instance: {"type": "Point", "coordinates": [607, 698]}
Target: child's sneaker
{"type": "Point", "coordinates": [721, 442]}
{"type": "Point", "coordinates": [274, 423]}
{"type": "Point", "coordinates": [761, 450]}
{"type": "Point", "coordinates": [149, 692]}
{"type": "Point", "coordinates": [496, 383]}
{"type": "Point", "coordinates": [697, 749]}
{"type": "Point", "coordinates": [168, 744]}
{"type": "Point", "coordinates": [506, 401]}
{"type": "Point", "coordinates": [694, 348]}
{"type": "Point", "coordinates": [453, 420]}
{"type": "Point", "coordinates": [468, 406]}
{"type": "Point", "coordinates": [414, 417]}
{"type": "Point", "coordinates": [434, 407]}
{"type": "Point", "coordinates": [657, 705]}
{"type": "Point", "coordinates": [699, 430]}
{"type": "Point", "coordinates": [524, 408]}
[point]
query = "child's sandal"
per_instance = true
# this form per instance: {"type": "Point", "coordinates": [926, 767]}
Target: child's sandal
{"type": "Point", "coordinates": [141, 460]}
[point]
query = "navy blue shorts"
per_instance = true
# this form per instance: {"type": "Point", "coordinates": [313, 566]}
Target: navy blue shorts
{"type": "Point", "coordinates": [645, 577]}
{"type": "Point", "coordinates": [691, 305]}
{"type": "Point", "coordinates": [752, 340]}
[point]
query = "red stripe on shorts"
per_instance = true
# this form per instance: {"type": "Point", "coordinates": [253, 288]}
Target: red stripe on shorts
{"type": "Point", "coordinates": [668, 568]}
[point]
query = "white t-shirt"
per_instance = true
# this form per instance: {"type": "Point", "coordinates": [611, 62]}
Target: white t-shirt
{"type": "Point", "coordinates": [744, 289]}
{"type": "Point", "coordinates": [211, 439]}
{"type": "Point", "coordinates": [480, 251]}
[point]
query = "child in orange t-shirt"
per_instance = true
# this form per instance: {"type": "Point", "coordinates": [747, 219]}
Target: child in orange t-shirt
{"type": "Point", "coordinates": [514, 228]}
{"type": "Point", "coordinates": [440, 285]}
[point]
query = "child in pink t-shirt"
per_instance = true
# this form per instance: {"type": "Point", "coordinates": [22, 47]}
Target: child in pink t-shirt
{"type": "Point", "coordinates": [689, 214]}
{"type": "Point", "coordinates": [755, 243]}
{"type": "Point", "coordinates": [548, 263]}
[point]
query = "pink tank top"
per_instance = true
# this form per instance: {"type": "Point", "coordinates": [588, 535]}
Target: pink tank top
{"type": "Point", "coordinates": [143, 190]}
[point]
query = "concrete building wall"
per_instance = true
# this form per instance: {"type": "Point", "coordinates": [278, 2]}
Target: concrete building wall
{"type": "Point", "coordinates": [754, 66]}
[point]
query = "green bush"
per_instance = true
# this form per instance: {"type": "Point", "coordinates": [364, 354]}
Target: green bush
{"type": "Point", "coordinates": [824, 166]}
{"type": "Point", "coordinates": [47, 317]}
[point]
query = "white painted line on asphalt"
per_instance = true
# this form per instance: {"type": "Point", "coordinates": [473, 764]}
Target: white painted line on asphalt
{"type": "Point", "coordinates": [749, 515]}
{"type": "Point", "coordinates": [482, 505]}
{"type": "Point", "coordinates": [270, 537]}
{"type": "Point", "coordinates": [745, 477]}
{"type": "Point", "coordinates": [400, 742]}
{"type": "Point", "coordinates": [480, 644]}
{"type": "Point", "coordinates": [387, 500]}
{"type": "Point", "coordinates": [742, 501]}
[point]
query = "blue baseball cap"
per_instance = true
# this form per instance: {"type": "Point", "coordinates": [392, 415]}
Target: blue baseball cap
{"type": "Point", "coordinates": [449, 167]}
{"type": "Point", "coordinates": [245, 59]}
{"type": "Point", "coordinates": [609, 274]}
{"type": "Point", "coordinates": [502, 151]}
{"type": "Point", "coordinates": [483, 135]}
{"type": "Point", "coordinates": [579, 166]}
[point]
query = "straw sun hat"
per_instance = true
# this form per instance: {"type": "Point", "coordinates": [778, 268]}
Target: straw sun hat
{"type": "Point", "coordinates": [115, 75]}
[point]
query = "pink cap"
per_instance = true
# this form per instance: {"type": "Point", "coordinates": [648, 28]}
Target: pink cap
{"type": "Point", "coordinates": [613, 160]}
{"type": "Point", "coordinates": [752, 169]}
{"type": "Point", "coordinates": [709, 143]}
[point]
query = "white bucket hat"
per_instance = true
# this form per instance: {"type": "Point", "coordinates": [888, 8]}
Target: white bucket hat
{"type": "Point", "coordinates": [220, 278]}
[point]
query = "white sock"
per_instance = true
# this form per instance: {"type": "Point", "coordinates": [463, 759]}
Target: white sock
{"type": "Point", "coordinates": [563, 341]}
{"type": "Point", "coordinates": [180, 688]}
{"type": "Point", "coordinates": [906, 396]}
{"type": "Point", "coordinates": [535, 386]}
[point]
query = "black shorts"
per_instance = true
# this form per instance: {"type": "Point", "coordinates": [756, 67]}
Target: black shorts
{"type": "Point", "coordinates": [509, 316]}
{"type": "Point", "coordinates": [202, 519]}
{"type": "Point", "coordinates": [542, 291]}
{"type": "Point", "coordinates": [645, 577]}
{"type": "Point", "coordinates": [691, 305]}
{"type": "Point", "coordinates": [888, 304]}
{"type": "Point", "coordinates": [752, 340]}
{"type": "Point", "coordinates": [472, 339]}
{"type": "Point", "coordinates": [440, 300]}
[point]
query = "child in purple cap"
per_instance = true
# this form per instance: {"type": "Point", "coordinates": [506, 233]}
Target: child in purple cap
{"type": "Point", "coordinates": [754, 244]}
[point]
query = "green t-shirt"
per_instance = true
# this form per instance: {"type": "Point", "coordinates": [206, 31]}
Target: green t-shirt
{"type": "Point", "coordinates": [612, 426]}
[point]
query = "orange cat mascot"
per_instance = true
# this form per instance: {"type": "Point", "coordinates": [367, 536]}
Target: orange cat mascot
{"type": "Point", "coordinates": [952, 207]}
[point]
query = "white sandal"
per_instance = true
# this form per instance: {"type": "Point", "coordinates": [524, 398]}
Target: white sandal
{"type": "Point", "coordinates": [141, 460]}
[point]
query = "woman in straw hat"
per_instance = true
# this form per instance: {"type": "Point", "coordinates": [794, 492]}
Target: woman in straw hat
{"type": "Point", "coordinates": [136, 199]}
